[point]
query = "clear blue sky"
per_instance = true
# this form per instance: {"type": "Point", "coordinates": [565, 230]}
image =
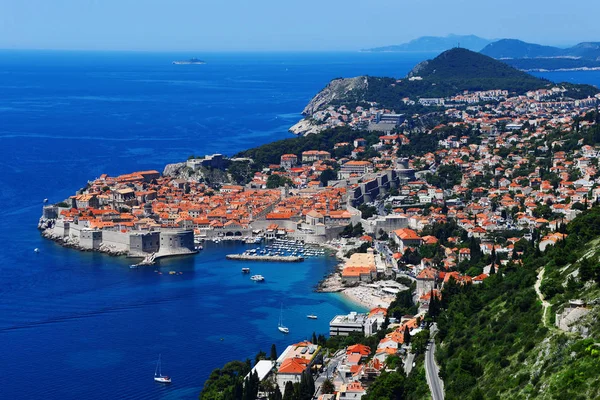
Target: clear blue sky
{"type": "Point", "coordinates": [284, 24]}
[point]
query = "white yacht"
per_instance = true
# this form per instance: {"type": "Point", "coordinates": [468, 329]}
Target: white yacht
{"type": "Point", "coordinates": [158, 376]}
{"type": "Point", "coordinates": [280, 326]}
{"type": "Point", "coordinates": [257, 278]}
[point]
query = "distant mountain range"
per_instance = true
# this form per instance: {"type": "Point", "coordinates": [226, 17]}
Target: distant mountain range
{"type": "Point", "coordinates": [436, 44]}
{"type": "Point", "coordinates": [516, 53]}
{"type": "Point", "coordinates": [531, 56]}
{"type": "Point", "coordinates": [513, 48]}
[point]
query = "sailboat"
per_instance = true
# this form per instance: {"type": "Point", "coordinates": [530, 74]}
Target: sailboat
{"type": "Point", "coordinates": [280, 326]}
{"type": "Point", "coordinates": [158, 376]}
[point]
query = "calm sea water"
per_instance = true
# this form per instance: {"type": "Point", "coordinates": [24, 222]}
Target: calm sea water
{"type": "Point", "coordinates": [81, 325]}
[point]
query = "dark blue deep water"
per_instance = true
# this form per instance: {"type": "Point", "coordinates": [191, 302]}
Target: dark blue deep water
{"type": "Point", "coordinates": [80, 325]}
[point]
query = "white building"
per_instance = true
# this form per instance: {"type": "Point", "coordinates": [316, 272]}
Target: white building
{"type": "Point", "coordinates": [343, 325]}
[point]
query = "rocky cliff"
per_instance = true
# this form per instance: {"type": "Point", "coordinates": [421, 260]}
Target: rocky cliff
{"type": "Point", "coordinates": [336, 89]}
{"type": "Point", "coordinates": [174, 170]}
{"type": "Point", "coordinates": [306, 127]}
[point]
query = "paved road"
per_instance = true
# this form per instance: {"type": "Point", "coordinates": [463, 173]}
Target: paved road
{"type": "Point", "coordinates": [328, 371]}
{"type": "Point", "coordinates": [436, 385]}
{"type": "Point", "coordinates": [408, 363]}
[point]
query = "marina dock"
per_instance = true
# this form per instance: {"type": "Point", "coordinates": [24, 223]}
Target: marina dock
{"type": "Point", "coordinates": [257, 257]}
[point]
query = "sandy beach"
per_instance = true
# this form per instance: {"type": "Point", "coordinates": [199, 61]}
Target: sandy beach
{"type": "Point", "coordinates": [368, 297]}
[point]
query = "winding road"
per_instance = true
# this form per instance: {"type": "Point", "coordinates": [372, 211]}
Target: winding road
{"type": "Point", "coordinates": [436, 385]}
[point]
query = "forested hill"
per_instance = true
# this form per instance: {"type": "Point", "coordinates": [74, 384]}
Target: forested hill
{"type": "Point", "coordinates": [498, 341]}
{"type": "Point", "coordinates": [461, 69]}
{"type": "Point", "coordinates": [448, 74]}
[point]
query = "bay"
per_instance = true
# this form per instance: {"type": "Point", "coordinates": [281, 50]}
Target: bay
{"type": "Point", "coordinates": [83, 325]}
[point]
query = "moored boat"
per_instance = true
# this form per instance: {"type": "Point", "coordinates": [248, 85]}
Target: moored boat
{"type": "Point", "coordinates": [282, 328]}
{"type": "Point", "coordinates": [158, 376]}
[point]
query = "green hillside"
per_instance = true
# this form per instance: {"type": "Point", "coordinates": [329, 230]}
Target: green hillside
{"type": "Point", "coordinates": [497, 342]}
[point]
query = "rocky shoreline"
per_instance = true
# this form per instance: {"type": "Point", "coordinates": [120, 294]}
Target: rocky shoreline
{"type": "Point", "coordinates": [72, 243]}
{"type": "Point", "coordinates": [45, 226]}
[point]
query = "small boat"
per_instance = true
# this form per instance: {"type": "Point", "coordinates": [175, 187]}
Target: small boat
{"type": "Point", "coordinates": [36, 250]}
{"type": "Point", "coordinates": [133, 266]}
{"type": "Point", "coordinates": [282, 328]}
{"type": "Point", "coordinates": [158, 376]}
{"type": "Point", "coordinates": [246, 270]}
{"type": "Point", "coordinates": [257, 278]}
{"type": "Point", "coordinates": [311, 316]}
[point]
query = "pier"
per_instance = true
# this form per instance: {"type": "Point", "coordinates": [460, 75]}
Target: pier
{"type": "Point", "coordinates": [255, 257]}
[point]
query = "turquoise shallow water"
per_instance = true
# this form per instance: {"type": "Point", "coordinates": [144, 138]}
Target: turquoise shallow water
{"type": "Point", "coordinates": [83, 325]}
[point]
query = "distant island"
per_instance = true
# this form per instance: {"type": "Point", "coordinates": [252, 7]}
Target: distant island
{"type": "Point", "coordinates": [536, 57]}
{"type": "Point", "coordinates": [191, 61]}
{"type": "Point", "coordinates": [436, 44]}
{"type": "Point", "coordinates": [516, 53]}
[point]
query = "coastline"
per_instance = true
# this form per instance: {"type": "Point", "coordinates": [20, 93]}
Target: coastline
{"type": "Point", "coordinates": [581, 69]}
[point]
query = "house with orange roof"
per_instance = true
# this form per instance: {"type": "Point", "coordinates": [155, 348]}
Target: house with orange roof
{"type": "Point", "coordinates": [426, 280]}
{"type": "Point", "coordinates": [361, 349]}
{"type": "Point", "coordinates": [294, 360]}
{"type": "Point", "coordinates": [406, 237]}
{"type": "Point", "coordinates": [353, 390]}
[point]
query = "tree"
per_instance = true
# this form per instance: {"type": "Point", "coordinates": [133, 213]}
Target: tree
{"type": "Point", "coordinates": [273, 352]}
{"type": "Point", "coordinates": [406, 336]}
{"type": "Point", "coordinates": [358, 230]}
{"type": "Point", "coordinates": [389, 385]}
{"type": "Point", "coordinates": [274, 181]}
{"type": "Point", "coordinates": [327, 175]}
{"type": "Point", "coordinates": [419, 342]}
{"type": "Point", "coordinates": [275, 394]}
{"type": "Point", "coordinates": [314, 338]}
{"type": "Point", "coordinates": [251, 385]}
{"type": "Point", "coordinates": [327, 387]}
{"type": "Point", "coordinates": [288, 393]}
{"type": "Point", "coordinates": [260, 356]}
{"type": "Point", "coordinates": [367, 211]}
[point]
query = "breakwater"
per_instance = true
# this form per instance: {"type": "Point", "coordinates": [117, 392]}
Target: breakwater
{"type": "Point", "coordinates": [250, 257]}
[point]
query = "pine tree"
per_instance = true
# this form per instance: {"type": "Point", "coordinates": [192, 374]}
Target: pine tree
{"type": "Point", "coordinates": [238, 389]}
{"type": "Point", "coordinates": [314, 338]}
{"type": "Point", "coordinates": [407, 334]}
{"type": "Point", "coordinates": [311, 384]}
{"type": "Point", "coordinates": [275, 394]}
{"type": "Point", "coordinates": [273, 352]}
{"type": "Point", "coordinates": [288, 393]}
{"type": "Point", "coordinates": [327, 387]}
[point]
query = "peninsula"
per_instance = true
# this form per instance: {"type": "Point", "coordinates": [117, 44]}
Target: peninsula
{"type": "Point", "coordinates": [462, 203]}
{"type": "Point", "coordinates": [496, 175]}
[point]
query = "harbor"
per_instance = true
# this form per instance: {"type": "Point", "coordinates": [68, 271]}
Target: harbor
{"type": "Point", "coordinates": [258, 257]}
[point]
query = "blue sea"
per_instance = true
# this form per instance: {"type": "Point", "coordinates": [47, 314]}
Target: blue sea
{"type": "Point", "coordinates": [83, 325]}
